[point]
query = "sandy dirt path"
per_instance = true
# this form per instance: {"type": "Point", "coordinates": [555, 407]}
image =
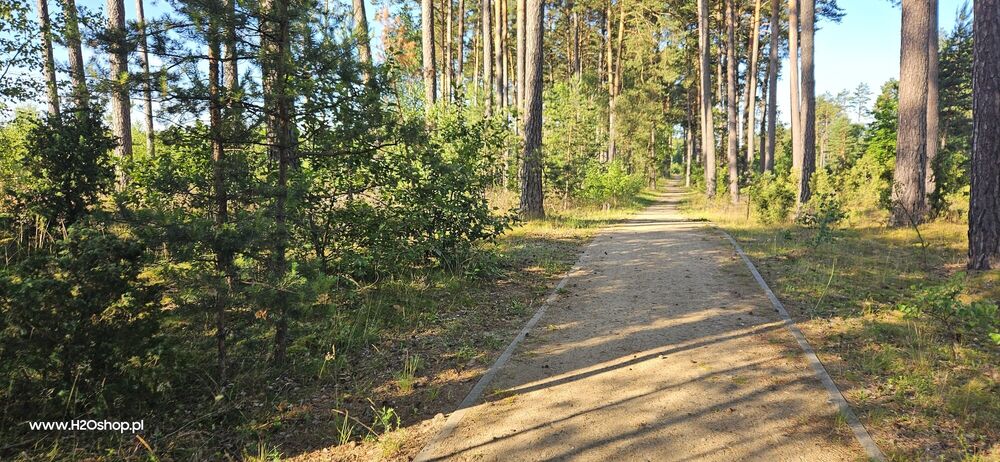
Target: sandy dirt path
{"type": "Point", "coordinates": [660, 347]}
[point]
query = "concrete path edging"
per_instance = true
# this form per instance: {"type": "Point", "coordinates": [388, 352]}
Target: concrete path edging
{"type": "Point", "coordinates": [455, 418]}
{"type": "Point", "coordinates": [860, 432]}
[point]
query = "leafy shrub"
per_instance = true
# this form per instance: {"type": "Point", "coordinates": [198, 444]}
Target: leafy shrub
{"type": "Point", "coordinates": [959, 321]}
{"type": "Point", "coordinates": [81, 321]}
{"type": "Point", "coordinates": [772, 197]}
{"type": "Point", "coordinates": [823, 211]}
{"type": "Point", "coordinates": [610, 184]}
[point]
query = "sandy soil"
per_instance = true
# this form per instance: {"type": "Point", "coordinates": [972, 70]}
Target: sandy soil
{"type": "Point", "coordinates": [661, 347]}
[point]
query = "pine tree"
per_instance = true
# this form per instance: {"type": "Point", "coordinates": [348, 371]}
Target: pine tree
{"type": "Point", "coordinates": [911, 146]}
{"type": "Point", "coordinates": [984, 203]}
{"type": "Point", "coordinates": [532, 206]}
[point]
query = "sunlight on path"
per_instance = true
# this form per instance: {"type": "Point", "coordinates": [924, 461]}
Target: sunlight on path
{"type": "Point", "coordinates": [661, 347]}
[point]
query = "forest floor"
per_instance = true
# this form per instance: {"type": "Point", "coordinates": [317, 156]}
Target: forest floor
{"type": "Point", "coordinates": [433, 334]}
{"type": "Point", "coordinates": [661, 343]}
{"type": "Point", "coordinates": [920, 395]}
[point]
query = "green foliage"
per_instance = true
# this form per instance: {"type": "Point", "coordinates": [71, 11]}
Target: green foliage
{"type": "Point", "coordinates": [960, 322]}
{"type": "Point", "coordinates": [951, 166]}
{"type": "Point", "coordinates": [82, 318]}
{"type": "Point", "coordinates": [868, 183]}
{"type": "Point", "coordinates": [20, 49]}
{"type": "Point", "coordinates": [610, 183]}
{"type": "Point", "coordinates": [772, 197]}
{"type": "Point", "coordinates": [824, 209]}
{"type": "Point", "coordinates": [69, 164]}
{"type": "Point", "coordinates": [569, 140]}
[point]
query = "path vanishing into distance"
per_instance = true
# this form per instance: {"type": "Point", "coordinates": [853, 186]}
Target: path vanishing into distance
{"type": "Point", "coordinates": [659, 346]}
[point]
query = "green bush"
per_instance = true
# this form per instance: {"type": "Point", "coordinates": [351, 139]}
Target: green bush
{"type": "Point", "coordinates": [772, 197]}
{"type": "Point", "coordinates": [824, 210]}
{"type": "Point", "coordinates": [611, 184]}
{"type": "Point", "coordinates": [81, 323]}
{"type": "Point", "coordinates": [960, 322]}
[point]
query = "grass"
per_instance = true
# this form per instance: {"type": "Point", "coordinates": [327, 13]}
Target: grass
{"type": "Point", "coordinates": [921, 396]}
{"type": "Point", "coordinates": [370, 366]}
{"type": "Point", "coordinates": [412, 346]}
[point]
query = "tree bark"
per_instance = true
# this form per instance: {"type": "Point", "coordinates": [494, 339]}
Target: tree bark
{"type": "Point", "coordinates": [448, 61]}
{"type": "Point", "coordinates": [751, 91]}
{"type": "Point", "coordinates": [911, 144]}
{"type": "Point", "coordinates": [577, 69]}
{"type": "Point", "coordinates": [808, 98]}
{"type": "Point", "coordinates": [689, 140]}
{"type": "Point", "coordinates": [732, 147]}
{"type": "Point", "coordinates": [614, 80]}
{"type": "Point", "coordinates": [487, 55]}
{"type": "Point", "coordinates": [121, 107]}
{"type": "Point", "coordinates": [49, 63]}
{"type": "Point", "coordinates": [427, 42]}
{"type": "Point", "coordinates": [772, 87]}
{"type": "Point", "coordinates": [984, 199]}
{"type": "Point", "coordinates": [707, 124]}
{"type": "Point", "coordinates": [231, 71]}
{"type": "Point", "coordinates": [519, 77]}
{"type": "Point", "coordinates": [460, 49]}
{"type": "Point", "coordinates": [147, 86]}
{"type": "Point", "coordinates": [74, 49]}
{"type": "Point", "coordinates": [278, 117]}
{"type": "Point", "coordinates": [497, 55]}
{"type": "Point", "coordinates": [223, 258]}
{"type": "Point", "coordinates": [531, 169]}
{"type": "Point", "coordinates": [504, 53]}
{"type": "Point", "coordinates": [933, 103]}
{"type": "Point", "coordinates": [361, 36]}
{"type": "Point", "coordinates": [795, 87]}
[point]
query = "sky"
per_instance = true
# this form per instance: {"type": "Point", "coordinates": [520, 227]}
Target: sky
{"type": "Point", "coordinates": [862, 48]}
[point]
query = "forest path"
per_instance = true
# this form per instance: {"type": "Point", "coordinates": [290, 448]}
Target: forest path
{"type": "Point", "coordinates": [661, 346]}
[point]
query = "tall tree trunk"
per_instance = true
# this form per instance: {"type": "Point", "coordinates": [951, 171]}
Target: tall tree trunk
{"type": "Point", "coordinates": [795, 87]}
{"type": "Point", "coordinates": [448, 61]}
{"type": "Point", "coordinates": [984, 199]}
{"type": "Point", "coordinates": [707, 124]}
{"type": "Point", "coordinates": [772, 87]}
{"type": "Point", "coordinates": [519, 77]}
{"type": "Point", "coordinates": [808, 98]}
{"type": "Point", "coordinates": [231, 71]}
{"type": "Point", "coordinates": [476, 51]}
{"type": "Point", "coordinates": [911, 144]}
{"type": "Point", "coordinates": [49, 63]}
{"type": "Point", "coordinates": [732, 147]}
{"type": "Point", "coordinates": [361, 36]}
{"type": "Point", "coordinates": [223, 259]}
{"type": "Point", "coordinates": [278, 116]}
{"type": "Point", "coordinates": [487, 55]}
{"type": "Point", "coordinates": [689, 140]}
{"type": "Point", "coordinates": [147, 87]}
{"type": "Point", "coordinates": [751, 91]}
{"type": "Point", "coordinates": [933, 102]}
{"type": "Point", "coordinates": [614, 80]}
{"type": "Point", "coordinates": [531, 169]}
{"type": "Point", "coordinates": [460, 50]}
{"type": "Point", "coordinates": [575, 18]}
{"type": "Point", "coordinates": [497, 55]}
{"type": "Point", "coordinates": [121, 107]}
{"type": "Point", "coordinates": [504, 61]}
{"type": "Point", "coordinates": [74, 49]}
{"type": "Point", "coordinates": [762, 141]}
{"type": "Point", "coordinates": [427, 42]}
